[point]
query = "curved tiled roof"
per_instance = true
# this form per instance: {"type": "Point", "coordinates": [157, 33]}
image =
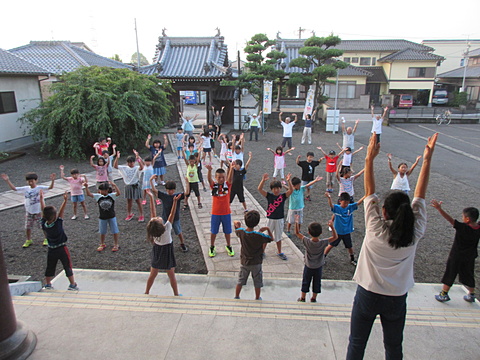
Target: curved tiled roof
{"type": "Point", "coordinates": [15, 65]}
{"type": "Point", "coordinates": [61, 56]}
{"type": "Point", "coordinates": [189, 58]}
{"type": "Point", "coordinates": [470, 72]}
{"type": "Point", "coordinates": [410, 54]}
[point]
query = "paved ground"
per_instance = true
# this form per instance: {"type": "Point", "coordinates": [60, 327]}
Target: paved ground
{"type": "Point", "coordinates": [99, 322]}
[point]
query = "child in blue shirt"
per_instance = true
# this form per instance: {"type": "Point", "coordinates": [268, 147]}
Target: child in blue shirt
{"type": "Point", "coordinates": [343, 222]}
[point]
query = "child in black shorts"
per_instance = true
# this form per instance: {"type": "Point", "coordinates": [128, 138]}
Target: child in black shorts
{"type": "Point", "coordinates": [237, 182]}
{"type": "Point", "coordinates": [461, 259]}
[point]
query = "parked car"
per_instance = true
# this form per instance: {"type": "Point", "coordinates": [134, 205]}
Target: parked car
{"type": "Point", "coordinates": [403, 101]}
{"type": "Point", "coordinates": [440, 97]}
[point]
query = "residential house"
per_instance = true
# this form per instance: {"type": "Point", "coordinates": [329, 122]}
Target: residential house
{"type": "Point", "coordinates": [19, 92]}
{"type": "Point", "coordinates": [382, 67]}
{"type": "Point", "coordinates": [60, 57]}
{"type": "Point", "coordinates": [454, 79]}
{"type": "Point", "coordinates": [453, 50]}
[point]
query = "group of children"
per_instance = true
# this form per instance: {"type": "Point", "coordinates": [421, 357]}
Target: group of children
{"type": "Point", "coordinates": [225, 185]}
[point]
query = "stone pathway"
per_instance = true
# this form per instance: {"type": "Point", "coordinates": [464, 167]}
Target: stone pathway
{"type": "Point", "coordinates": [222, 264]}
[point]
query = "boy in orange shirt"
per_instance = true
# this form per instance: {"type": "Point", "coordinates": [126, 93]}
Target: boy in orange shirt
{"type": "Point", "coordinates": [221, 213]}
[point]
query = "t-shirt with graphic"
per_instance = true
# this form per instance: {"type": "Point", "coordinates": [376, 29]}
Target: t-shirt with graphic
{"type": "Point", "coordinates": [101, 174]}
{"type": "Point", "coordinates": [160, 161]}
{"type": "Point", "coordinates": [252, 246]}
{"type": "Point", "coordinates": [75, 185]}
{"type": "Point", "coordinates": [106, 205]}
{"type": "Point", "coordinates": [192, 173]}
{"type": "Point", "coordinates": [54, 233]}
{"type": "Point", "coordinates": [130, 175]}
{"type": "Point", "coordinates": [296, 199]}
{"type": "Point", "coordinates": [32, 197]}
{"type": "Point", "coordinates": [344, 218]}
{"type": "Point", "coordinates": [276, 206]}
{"type": "Point", "coordinates": [308, 169]}
{"type": "Point", "coordinates": [221, 198]}
{"type": "Point", "coordinates": [331, 164]}
{"type": "Point", "coordinates": [100, 148]}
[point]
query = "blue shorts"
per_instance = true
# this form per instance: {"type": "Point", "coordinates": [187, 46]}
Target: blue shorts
{"type": "Point", "coordinates": [179, 148]}
{"type": "Point", "coordinates": [77, 198]}
{"type": "Point", "coordinates": [177, 229]}
{"type": "Point", "coordinates": [305, 183]}
{"type": "Point", "coordinates": [102, 225]}
{"type": "Point", "coordinates": [160, 171]}
{"type": "Point", "coordinates": [225, 220]}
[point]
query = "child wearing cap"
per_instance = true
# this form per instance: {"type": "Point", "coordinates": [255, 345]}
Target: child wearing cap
{"type": "Point", "coordinates": [330, 166]}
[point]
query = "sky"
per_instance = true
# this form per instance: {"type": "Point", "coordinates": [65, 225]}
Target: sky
{"type": "Point", "coordinates": [108, 27]}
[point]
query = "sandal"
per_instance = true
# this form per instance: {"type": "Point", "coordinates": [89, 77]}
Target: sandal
{"type": "Point", "coordinates": [200, 206]}
{"type": "Point", "coordinates": [101, 247]}
{"type": "Point", "coordinates": [185, 207]}
{"type": "Point", "coordinates": [115, 248]}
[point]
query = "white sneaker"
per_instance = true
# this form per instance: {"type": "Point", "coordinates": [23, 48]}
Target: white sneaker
{"type": "Point", "coordinates": [74, 217]}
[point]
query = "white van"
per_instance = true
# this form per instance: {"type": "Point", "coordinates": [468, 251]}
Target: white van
{"type": "Point", "coordinates": [440, 97]}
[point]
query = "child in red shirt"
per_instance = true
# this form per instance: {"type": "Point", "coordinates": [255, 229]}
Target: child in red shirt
{"type": "Point", "coordinates": [221, 213]}
{"type": "Point", "coordinates": [330, 166]}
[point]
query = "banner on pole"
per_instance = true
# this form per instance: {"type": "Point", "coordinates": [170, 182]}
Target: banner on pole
{"type": "Point", "coordinates": [309, 105]}
{"type": "Point", "coordinates": [267, 97]}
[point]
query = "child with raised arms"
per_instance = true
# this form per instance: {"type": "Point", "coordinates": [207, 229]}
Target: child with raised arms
{"type": "Point", "coordinates": [160, 165]}
{"type": "Point", "coordinates": [400, 176]}
{"type": "Point", "coordinates": [76, 182]}
{"type": "Point", "coordinates": [279, 162]}
{"type": "Point", "coordinates": [239, 172]}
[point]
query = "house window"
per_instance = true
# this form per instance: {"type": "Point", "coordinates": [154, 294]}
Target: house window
{"type": "Point", "coordinates": [374, 61]}
{"type": "Point", "coordinates": [421, 72]}
{"type": "Point", "coordinates": [346, 59]}
{"type": "Point", "coordinates": [346, 90]}
{"type": "Point", "coordinates": [354, 60]}
{"type": "Point", "coordinates": [462, 62]}
{"type": "Point", "coordinates": [365, 61]}
{"type": "Point", "coordinates": [7, 102]}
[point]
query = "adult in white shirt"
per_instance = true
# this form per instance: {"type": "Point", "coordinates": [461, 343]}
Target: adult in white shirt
{"type": "Point", "coordinates": [349, 135]}
{"type": "Point", "coordinates": [377, 121]}
{"type": "Point", "coordinates": [287, 129]}
{"type": "Point", "coordinates": [254, 125]}
{"type": "Point", "coordinates": [384, 271]}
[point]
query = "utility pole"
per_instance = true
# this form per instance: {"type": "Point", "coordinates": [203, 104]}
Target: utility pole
{"type": "Point", "coordinates": [465, 63]}
{"type": "Point", "coordinates": [300, 30]}
{"type": "Point", "coordinates": [138, 51]}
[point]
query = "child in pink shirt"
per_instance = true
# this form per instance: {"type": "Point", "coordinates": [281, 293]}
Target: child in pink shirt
{"type": "Point", "coordinates": [279, 162]}
{"type": "Point", "coordinates": [76, 182]}
{"type": "Point", "coordinates": [101, 168]}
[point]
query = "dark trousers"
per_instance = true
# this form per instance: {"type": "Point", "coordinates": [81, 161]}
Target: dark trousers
{"type": "Point", "coordinates": [61, 253]}
{"type": "Point", "coordinates": [366, 306]}
{"type": "Point", "coordinates": [309, 275]}
{"type": "Point", "coordinates": [254, 129]}
{"type": "Point", "coordinates": [287, 141]}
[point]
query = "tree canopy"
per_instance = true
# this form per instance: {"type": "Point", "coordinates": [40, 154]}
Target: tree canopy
{"type": "Point", "coordinates": [318, 64]}
{"type": "Point", "coordinates": [143, 59]}
{"type": "Point", "coordinates": [93, 102]}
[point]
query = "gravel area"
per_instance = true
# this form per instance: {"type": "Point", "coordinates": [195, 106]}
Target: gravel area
{"type": "Point", "coordinates": [431, 256]}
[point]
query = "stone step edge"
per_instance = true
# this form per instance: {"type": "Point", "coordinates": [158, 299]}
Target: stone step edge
{"type": "Point", "coordinates": [339, 317]}
{"type": "Point", "coordinates": [237, 303]}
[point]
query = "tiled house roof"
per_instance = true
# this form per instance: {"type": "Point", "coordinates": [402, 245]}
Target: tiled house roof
{"type": "Point", "coordinates": [12, 64]}
{"type": "Point", "coordinates": [410, 54]}
{"type": "Point", "coordinates": [378, 74]}
{"type": "Point", "coordinates": [190, 58]}
{"type": "Point", "coordinates": [381, 45]}
{"type": "Point", "coordinates": [62, 56]}
{"type": "Point", "coordinates": [470, 72]}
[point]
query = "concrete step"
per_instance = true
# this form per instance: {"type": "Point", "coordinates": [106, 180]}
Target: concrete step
{"type": "Point", "coordinates": [438, 317]}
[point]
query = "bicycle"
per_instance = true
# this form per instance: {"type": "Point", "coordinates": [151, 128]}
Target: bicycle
{"type": "Point", "coordinates": [246, 124]}
{"type": "Point", "coordinates": [444, 118]}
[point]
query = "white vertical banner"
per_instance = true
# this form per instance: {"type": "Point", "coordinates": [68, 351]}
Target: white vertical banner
{"type": "Point", "coordinates": [309, 105]}
{"type": "Point", "coordinates": [267, 97]}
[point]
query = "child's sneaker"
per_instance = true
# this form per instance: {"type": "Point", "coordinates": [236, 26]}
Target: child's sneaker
{"type": "Point", "coordinates": [86, 217]}
{"type": "Point", "coordinates": [184, 248]}
{"type": "Point", "coordinates": [158, 202]}
{"type": "Point", "coordinates": [313, 300]}
{"type": "Point", "coordinates": [47, 287]}
{"type": "Point", "coordinates": [353, 262]}
{"type": "Point", "coordinates": [282, 256]}
{"type": "Point", "coordinates": [129, 217]}
{"type": "Point", "coordinates": [230, 251]}
{"type": "Point", "coordinates": [469, 298]}
{"type": "Point", "coordinates": [141, 219]}
{"type": "Point", "coordinates": [179, 157]}
{"type": "Point", "coordinates": [74, 217]}
{"type": "Point", "coordinates": [442, 297]}
{"type": "Point", "coordinates": [200, 205]}
{"type": "Point", "coordinates": [162, 183]}
{"type": "Point", "coordinates": [144, 202]}
{"type": "Point", "coordinates": [212, 252]}
{"type": "Point", "coordinates": [73, 287]}
{"type": "Point", "coordinates": [289, 234]}
{"type": "Point", "coordinates": [27, 243]}
{"type": "Point", "coordinates": [45, 242]}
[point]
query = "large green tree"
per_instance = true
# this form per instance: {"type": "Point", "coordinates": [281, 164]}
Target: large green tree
{"type": "Point", "coordinates": [260, 67]}
{"type": "Point", "coordinates": [143, 59]}
{"type": "Point", "coordinates": [94, 102]}
{"type": "Point", "coordinates": [318, 64]}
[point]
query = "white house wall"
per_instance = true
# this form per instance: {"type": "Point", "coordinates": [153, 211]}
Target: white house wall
{"type": "Point", "coordinates": [27, 96]}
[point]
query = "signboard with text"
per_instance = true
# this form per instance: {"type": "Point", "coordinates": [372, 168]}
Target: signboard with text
{"type": "Point", "coordinates": [267, 97]}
